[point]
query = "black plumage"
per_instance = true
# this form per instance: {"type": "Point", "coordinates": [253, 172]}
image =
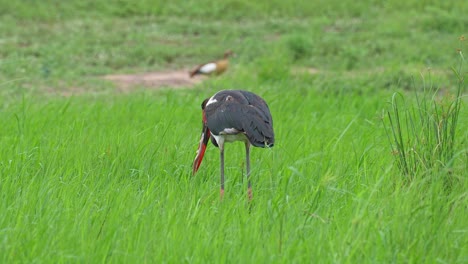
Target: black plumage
{"type": "Point", "coordinates": [244, 111]}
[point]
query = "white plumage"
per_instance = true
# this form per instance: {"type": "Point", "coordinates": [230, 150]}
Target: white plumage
{"type": "Point", "coordinates": [208, 68]}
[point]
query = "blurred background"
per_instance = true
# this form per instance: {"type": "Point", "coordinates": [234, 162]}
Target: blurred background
{"type": "Point", "coordinates": [60, 44]}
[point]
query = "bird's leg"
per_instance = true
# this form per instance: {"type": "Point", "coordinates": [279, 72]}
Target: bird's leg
{"type": "Point", "coordinates": [247, 161]}
{"type": "Point", "coordinates": [221, 156]}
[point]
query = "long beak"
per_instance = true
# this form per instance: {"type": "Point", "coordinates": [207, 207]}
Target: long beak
{"type": "Point", "coordinates": [205, 136]}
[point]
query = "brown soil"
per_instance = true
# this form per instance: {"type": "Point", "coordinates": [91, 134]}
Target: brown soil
{"type": "Point", "coordinates": [155, 80]}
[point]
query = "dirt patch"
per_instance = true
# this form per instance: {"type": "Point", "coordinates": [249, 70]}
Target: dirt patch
{"type": "Point", "coordinates": [154, 80]}
{"type": "Point", "coordinates": [305, 70]}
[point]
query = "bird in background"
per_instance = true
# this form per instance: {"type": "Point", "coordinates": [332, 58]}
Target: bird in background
{"type": "Point", "coordinates": [235, 115]}
{"type": "Point", "coordinates": [213, 67]}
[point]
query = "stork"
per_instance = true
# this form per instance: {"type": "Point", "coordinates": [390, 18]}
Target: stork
{"type": "Point", "coordinates": [235, 115]}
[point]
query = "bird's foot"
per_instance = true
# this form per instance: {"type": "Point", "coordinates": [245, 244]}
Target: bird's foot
{"type": "Point", "coordinates": [221, 194]}
{"type": "Point", "coordinates": [249, 194]}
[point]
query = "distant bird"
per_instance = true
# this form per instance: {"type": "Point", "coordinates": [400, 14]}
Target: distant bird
{"type": "Point", "coordinates": [235, 115]}
{"type": "Point", "coordinates": [213, 67]}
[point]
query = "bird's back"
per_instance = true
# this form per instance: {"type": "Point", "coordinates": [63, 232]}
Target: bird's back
{"type": "Point", "coordinates": [243, 111]}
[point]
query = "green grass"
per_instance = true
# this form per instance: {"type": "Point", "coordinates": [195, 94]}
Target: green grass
{"type": "Point", "coordinates": [103, 176]}
{"type": "Point", "coordinates": [423, 135]}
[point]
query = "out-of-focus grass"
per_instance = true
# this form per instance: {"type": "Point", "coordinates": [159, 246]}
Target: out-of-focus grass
{"type": "Point", "coordinates": [47, 41]}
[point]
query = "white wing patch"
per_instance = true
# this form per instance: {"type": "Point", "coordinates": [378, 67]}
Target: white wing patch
{"type": "Point", "coordinates": [208, 68]}
{"type": "Point", "coordinates": [212, 100]}
{"type": "Point", "coordinates": [220, 139]}
{"type": "Point", "coordinates": [230, 131]}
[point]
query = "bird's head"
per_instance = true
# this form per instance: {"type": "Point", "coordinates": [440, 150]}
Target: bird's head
{"type": "Point", "coordinates": [205, 136]}
{"type": "Point", "coordinates": [228, 53]}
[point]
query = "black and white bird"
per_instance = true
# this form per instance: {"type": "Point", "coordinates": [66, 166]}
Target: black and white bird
{"type": "Point", "coordinates": [235, 115]}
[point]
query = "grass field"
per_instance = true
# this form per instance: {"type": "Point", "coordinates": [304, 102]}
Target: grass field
{"type": "Point", "coordinates": [91, 174]}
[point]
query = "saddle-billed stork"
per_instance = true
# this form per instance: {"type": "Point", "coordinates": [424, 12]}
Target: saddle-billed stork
{"type": "Point", "coordinates": [235, 115]}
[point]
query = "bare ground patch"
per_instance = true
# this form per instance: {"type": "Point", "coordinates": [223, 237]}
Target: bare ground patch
{"type": "Point", "coordinates": [153, 80]}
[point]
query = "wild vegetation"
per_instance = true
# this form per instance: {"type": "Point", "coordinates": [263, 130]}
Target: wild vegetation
{"type": "Point", "coordinates": [369, 106]}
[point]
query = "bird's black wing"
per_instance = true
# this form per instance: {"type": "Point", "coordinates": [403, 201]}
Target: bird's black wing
{"type": "Point", "coordinates": [259, 103]}
{"type": "Point", "coordinates": [250, 116]}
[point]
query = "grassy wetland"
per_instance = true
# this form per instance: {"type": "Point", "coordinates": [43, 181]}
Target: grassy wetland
{"type": "Point", "coordinates": [370, 115]}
